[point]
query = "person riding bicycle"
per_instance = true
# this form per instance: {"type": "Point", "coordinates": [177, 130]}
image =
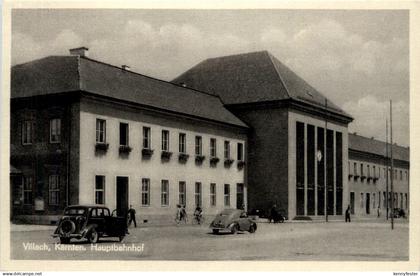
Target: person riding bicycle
{"type": "Point", "coordinates": [198, 214]}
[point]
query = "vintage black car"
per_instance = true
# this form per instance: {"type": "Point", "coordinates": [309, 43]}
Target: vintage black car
{"type": "Point", "coordinates": [233, 220]}
{"type": "Point", "coordinates": [91, 223]}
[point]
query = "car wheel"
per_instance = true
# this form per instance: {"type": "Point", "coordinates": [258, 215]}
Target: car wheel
{"type": "Point", "coordinates": [121, 238]}
{"type": "Point", "coordinates": [234, 229]}
{"type": "Point", "coordinates": [93, 236]}
{"type": "Point", "coordinates": [252, 228]}
{"type": "Point", "coordinates": [64, 240]}
{"type": "Point", "coordinates": [215, 231]}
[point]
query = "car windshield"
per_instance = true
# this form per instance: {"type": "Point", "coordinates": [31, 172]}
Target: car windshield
{"type": "Point", "coordinates": [75, 211]}
{"type": "Point", "coordinates": [226, 212]}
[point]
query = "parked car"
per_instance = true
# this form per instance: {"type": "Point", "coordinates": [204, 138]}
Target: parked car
{"type": "Point", "coordinates": [233, 220]}
{"type": "Point", "coordinates": [91, 223]}
{"type": "Point", "coordinates": [399, 213]}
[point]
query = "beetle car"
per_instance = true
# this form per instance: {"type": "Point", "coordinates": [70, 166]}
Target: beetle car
{"type": "Point", "coordinates": [233, 220]}
{"type": "Point", "coordinates": [91, 223]}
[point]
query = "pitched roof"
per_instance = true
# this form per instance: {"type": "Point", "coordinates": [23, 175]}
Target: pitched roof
{"type": "Point", "coordinates": [58, 74]}
{"type": "Point", "coordinates": [252, 77]}
{"type": "Point", "coordinates": [369, 145]}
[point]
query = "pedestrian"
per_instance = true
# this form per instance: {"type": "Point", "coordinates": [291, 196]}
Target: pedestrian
{"type": "Point", "coordinates": [183, 214]}
{"type": "Point", "coordinates": [178, 215]}
{"type": "Point", "coordinates": [132, 215]}
{"type": "Point", "coordinates": [348, 214]}
{"type": "Point", "coordinates": [379, 211]}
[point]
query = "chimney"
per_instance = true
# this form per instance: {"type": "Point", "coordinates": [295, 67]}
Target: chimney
{"type": "Point", "coordinates": [125, 67]}
{"type": "Point", "coordinates": [81, 51]}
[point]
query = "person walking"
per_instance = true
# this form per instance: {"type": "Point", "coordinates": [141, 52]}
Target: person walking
{"type": "Point", "coordinates": [132, 216]}
{"type": "Point", "coordinates": [178, 215]}
{"type": "Point", "coordinates": [348, 214]}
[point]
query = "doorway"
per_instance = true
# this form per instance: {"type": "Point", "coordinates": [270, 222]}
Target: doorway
{"type": "Point", "coordinates": [367, 203]}
{"type": "Point", "coordinates": [122, 195]}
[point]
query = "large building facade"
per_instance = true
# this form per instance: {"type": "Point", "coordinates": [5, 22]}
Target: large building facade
{"type": "Point", "coordinates": [85, 132]}
{"type": "Point", "coordinates": [240, 131]}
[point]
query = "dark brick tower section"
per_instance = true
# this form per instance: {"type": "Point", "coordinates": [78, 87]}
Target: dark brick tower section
{"type": "Point", "coordinates": [267, 155]}
{"type": "Point", "coordinates": [40, 159]}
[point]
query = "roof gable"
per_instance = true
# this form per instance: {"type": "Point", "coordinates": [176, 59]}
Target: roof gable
{"type": "Point", "coordinates": [252, 77]}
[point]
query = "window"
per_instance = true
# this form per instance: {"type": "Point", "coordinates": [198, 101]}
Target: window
{"type": "Point", "coordinates": [146, 138]}
{"type": "Point", "coordinates": [55, 130]}
{"type": "Point", "coordinates": [400, 175]}
{"type": "Point", "coordinates": [165, 140]}
{"type": "Point", "coordinates": [227, 195]}
{"type": "Point", "coordinates": [406, 201]}
{"type": "Point", "coordinates": [100, 131]}
{"type": "Point", "coordinates": [401, 201]}
{"type": "Point", "coordinates": [406, 175]}
{"type": "Point", "coordinates": [197, 194]}
{"type": "Point", "coordinates": [54, 189]}
{"type": "Point", "coordinates": [212, 194]}
{"type": "Point", "coordinates": [165, 193]}
{"type": "Point", "coordinates": [361, 200]}
{"type": "Point", "coordinates": [240, 204]}
{"type": "Point", "coordinates": [355, 168]}
{"type": "Point", "coordinates": [368, 170]}
{"type": "Point", "coordinates": [384, 173]}
{"type": "Point", "coordinates": [361, 170]}
{"type": "Point", "coordinates": [182, 193]}
{"type": "Point", "coordinates": [145, 192]}
{"type": "Point", "coordinates": [182, 143]}
{"type": "Point", "coordinates": [227, 150]}
{"type": "Point", "coordinates": [99, 189]}
{"type": "Point", "coordinates": [395, 174]}
{"type": "Point", "coordinates": [27, 132]}
{"type": "Point", "coordinates": [373, 200]}
{"type": "Point", "coordinates": [123, 134]}
{"type": "Point", "coordinates": [198, 145]}
{"type": "Point", "coordinates": [27, 190]}
{"type": "Point", "coordinates": [374, 171]}
{"type": "Point", "coordinates": [384, 201]}
{"type": "Point", "coordinates": [213, 149]}
{"type": "Point", "coordinates": [379, 172]}
{"type": "Point", "coordinates": [240, 152]}
{"type": "Point", "coordinates": [379, 199]}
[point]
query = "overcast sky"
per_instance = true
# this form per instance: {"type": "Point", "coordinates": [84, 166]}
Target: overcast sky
{"type": "Point", "coordinates": [358, 59]}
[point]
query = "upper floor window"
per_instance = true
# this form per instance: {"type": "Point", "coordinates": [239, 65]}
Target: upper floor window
{"type": "Point", "coordinates": [240, 152]}
{"type": "Point", "coordinates": [406, 175]}
{"type": "Point", "coordinates": [165, 140]}
{"type": "Point", "coordinates": [198, 145]}
{"type": "Point", "coordinates": [146, 138]}
{"type": "Point", "coordinates": [124, 134]}
{"type": "Point", "coordinates": [368, 171]}
{"type": "Point", "coordinates": [361, 170]}
{"type": "Point", "coordinates": [55, 130]}
{"type": "Point", "coordinates": [227, 150]}
{"type": "Point", "coordinates": [400, 175]}
{"type": "Point", "coordinates": [100, 131]}
{"type": "Point", "coordinates": [213, 149]}
{"type": "Point", "coordinates": [54, 189]}
{"type": "Point", "coordinates": [182, 143]}
{"type": "Point", "coordinates": [27, 132]}
{"type": "Point", "coordinates": [355, 168]}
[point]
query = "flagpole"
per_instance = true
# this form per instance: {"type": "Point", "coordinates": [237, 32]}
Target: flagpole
{"type": "Point", "coordinates": [387, 173]}
{"type": "Point", "coordinates": [392, 170]}
{"type": "Point", "coordinates": [325, 164]}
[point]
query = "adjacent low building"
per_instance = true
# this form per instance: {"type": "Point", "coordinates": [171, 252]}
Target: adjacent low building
{"type": "Point", "coordinates": [370, 191]}
{"type": "Point", "coordinates": [86, 132]}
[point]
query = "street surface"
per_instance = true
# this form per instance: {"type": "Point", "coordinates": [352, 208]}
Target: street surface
{"type": "Point", "coordinates": [364, 240]}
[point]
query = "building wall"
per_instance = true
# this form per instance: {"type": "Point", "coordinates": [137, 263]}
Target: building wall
{"type": "Point", "coordinates": [293, 118]}
{"type": "Point", "coordinates": [359, 185]}
{"type": "Point", "coordinates": [41, 158]}
{"type": "Point", "coordinates": [267, 157]}
{"type": "Point", "coordinates": [111, 164]}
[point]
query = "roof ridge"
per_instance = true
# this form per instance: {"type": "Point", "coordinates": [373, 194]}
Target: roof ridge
{"type": "Point", "coordinates": [271, 57]}
{"type": "Point", "coordinates": [152, 78]}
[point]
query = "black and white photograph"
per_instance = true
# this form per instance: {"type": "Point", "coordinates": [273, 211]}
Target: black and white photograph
{"type": "Point", "coordinates": [209, 134]}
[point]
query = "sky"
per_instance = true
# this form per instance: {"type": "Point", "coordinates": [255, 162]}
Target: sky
{"type": "Point", "coordinates": [359, 59]}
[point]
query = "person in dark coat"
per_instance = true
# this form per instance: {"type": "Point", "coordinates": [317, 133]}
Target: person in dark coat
{"type": "Point", "coordinates": [132, 216]}
{"type": "Point", "coordinates": [348, 214]}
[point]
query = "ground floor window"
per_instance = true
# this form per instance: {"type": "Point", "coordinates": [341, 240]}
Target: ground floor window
{"type": "Point", "coordinates": [27, 190]}
{"type": "Point", "coordinates": [240, 196]}
{"type": "Point", "coordinates": [165, 193]}
{"type": "Point", "coordinates": [227, 195]}
{"type": "Point", "coordinates": [212, 194]}
{"type": "Point", "coordinates": [145, 192]}
{"type": "Point", "coordinates": [197, 194]}
{"type": "Point", "coordinates": [182, 193]}
{"type": "Point", "coordinates": [100, 189]}
{"type": "Point", "coordinates": [54, 189]}
{"type": "Point", "coordinates": [352, 202]}
{"type": "Point", "coordinates": [406, 202]}
{"type": "Point", "coordinates": [361, 200]}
